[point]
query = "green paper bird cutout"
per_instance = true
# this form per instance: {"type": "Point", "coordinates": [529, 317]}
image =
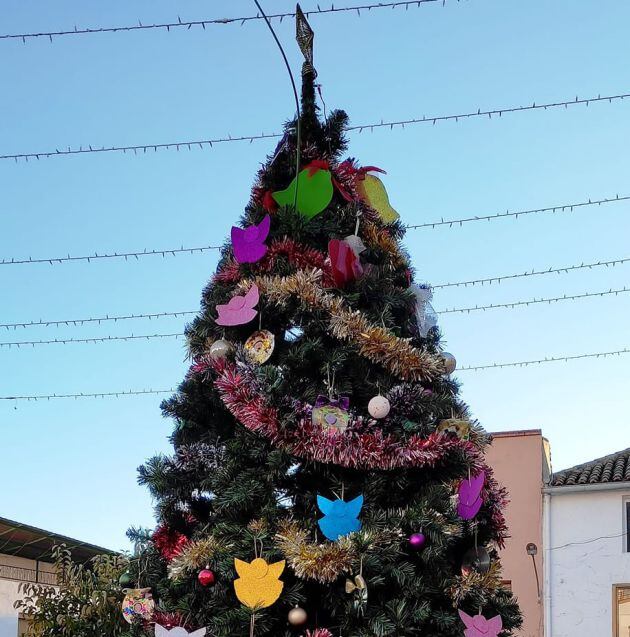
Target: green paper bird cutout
{"type": "Point", "coordinates": [314, 190]}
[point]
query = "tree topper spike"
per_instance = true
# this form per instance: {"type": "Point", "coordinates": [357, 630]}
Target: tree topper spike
{"type": "Point", "coordinates": [305, 36]}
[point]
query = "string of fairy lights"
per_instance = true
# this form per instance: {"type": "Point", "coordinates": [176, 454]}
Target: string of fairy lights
{"type": "Point", "coordinates": [207, 143]}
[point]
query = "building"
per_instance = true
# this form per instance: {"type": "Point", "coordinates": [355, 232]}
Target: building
{"type": "Point", "coordinates": [26, 556]}
{"type": "Point", "coordinates": [522, 464]}
{"type": "Point", "coordinates": [587, 570]}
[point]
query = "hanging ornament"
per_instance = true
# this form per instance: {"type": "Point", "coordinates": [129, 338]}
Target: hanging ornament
{"type": "Point", "coordinates": [477, 560]}
{"type": "Point", "coordinates": [297, 616]}
{"type": "Point", "coordinates": [318, 632]}
{"type": "Point", "coordinates": [373, 193]}
{"type": "Point", "coordinates": [449, 362]}
{"type": "Point", "coordinates": [259, 346]}
{"type": "Point", "coordinates": [479, 626]}
{"type": "Point", "coordinates": [220, 349]}
{"type": "Point", "coordinates": [178, 631]}
{"type": "Point", "coordinates": [454, 427]}
{"type": "Point", "coordinates": [357, 584]}
{"type": "Point", "coordinates": [258, 584]}
{"type": "Point", "coordinates": [356, 244]}
{"type": "Point", "coordinates": [470, 500]}
{"type": "Point", "coordinates": [340, 517]}
{"type": "Point", "coordinates": [248, 243]}
{"type": "Point", "coordinates": [345, 264]}
{"type": "Point", "coordinates": [126, 580]}
{"type": "Point", "coordinates": [417, 541]}
{"type": "Point", "coordinates": [379, 407]}
{"type": "Point", "coordinates": [138, 603]}
{"type": "Point", "coordinates": [331, 414]}
{"type": "Point", "coordinates": [206, 577]}
{"type": "Point", "coordinates": [425, 314]}
{"type": "Point", "coordinates": [314, 190]}
{"type": "Point", "coordinates": [240, 309]}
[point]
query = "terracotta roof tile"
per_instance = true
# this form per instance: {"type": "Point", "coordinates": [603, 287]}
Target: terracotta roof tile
{"type": "Point", "coordinates": [612, 468]}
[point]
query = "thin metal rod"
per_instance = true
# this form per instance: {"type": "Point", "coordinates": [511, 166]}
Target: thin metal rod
{"type": "Point", "coordinates": [297, 100]}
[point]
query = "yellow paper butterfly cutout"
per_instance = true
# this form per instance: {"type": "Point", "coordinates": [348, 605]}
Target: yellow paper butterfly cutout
{"type": "Point", "coordinates": [258, 584]}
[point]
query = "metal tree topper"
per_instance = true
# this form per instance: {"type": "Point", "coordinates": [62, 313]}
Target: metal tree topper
{"type": "Point", "coordinates": [304, 35]}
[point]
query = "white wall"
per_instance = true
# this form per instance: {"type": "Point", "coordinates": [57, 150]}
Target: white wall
{"type": "Point", "coordinates": [8, 614]}
{"type": "Point", "coordinates": [582, 575]}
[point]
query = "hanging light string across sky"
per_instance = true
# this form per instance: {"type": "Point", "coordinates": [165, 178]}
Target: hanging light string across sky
{"type": "Point", "coordinates": [189, 24]}
{"type": "Point", "coordinates": [107, 339]}
{"type": "Point", "coordinates": [209, 143]}
{"type": "Point", "coordinates": [451, 223]}
{"type": "Point", "coordinates": [74, 322]}
{"type": "Point", "coordinates": [139, 392]}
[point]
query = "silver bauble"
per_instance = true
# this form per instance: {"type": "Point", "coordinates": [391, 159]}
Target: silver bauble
{"type": "Point", "coordinates": [220, 349]}
{"type": "Point", "coordinates": [379, 407]}
{"type": "Point", "coordinates": [449, 362]}
{"type": "Point", "coordinates": [297, 616]}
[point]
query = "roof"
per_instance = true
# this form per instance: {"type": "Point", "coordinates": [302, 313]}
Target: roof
{"type": "Point", "coordinates": [517, 433]}
{"type": "Point", "coordinates": [609, 469]}
{"type": "Point", "coordinates": [27, 541]}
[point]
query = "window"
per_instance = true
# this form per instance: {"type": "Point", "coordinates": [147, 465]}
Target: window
{"type": "Point", "coordinates": [621, 610]}
{"type": "Point", "coordinates": [627, 527]}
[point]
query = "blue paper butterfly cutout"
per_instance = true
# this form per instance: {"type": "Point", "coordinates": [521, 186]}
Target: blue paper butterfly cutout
{"type": "Point", "coordinates": [340, 517]}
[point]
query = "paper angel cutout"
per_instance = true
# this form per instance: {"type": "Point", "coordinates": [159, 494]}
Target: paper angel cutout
{"type": "Point", "coordinates": [470, 500]}
{"type": "Point", "coordinates": [240, 309]}
{"type": "Point", "coordinates": [178, 631]}
{"type": "Point", "coordinates": [479, 626]}
{"type": "Point", "coordinates": [258, 584]}
{"type": "Point", "coordinates": [340, 518]}
{"type": "Point", "coordinates": [248, 243]}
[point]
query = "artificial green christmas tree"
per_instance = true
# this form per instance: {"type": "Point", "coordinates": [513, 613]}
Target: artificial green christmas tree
{"type": "Point", "coordinates": [326, 479]}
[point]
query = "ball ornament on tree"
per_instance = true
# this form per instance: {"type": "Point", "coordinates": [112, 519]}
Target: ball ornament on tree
{"type": "Point", "coordinates": [206, 577]}
{"type": "Point", "coordinates": [126, 580]}
{"type": "Point", "coordinates": [449, 362]}
{"type": "Point", "coordinates": [220, 349]}
{"type": "Point", "coordinates": [379, 407]}
{"type": "Point", "coordinates": [417, 541]}
{"type": "Point", "coordinates": [297, 616]}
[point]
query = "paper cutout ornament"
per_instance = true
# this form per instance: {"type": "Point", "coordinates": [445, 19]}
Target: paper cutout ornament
{"type": "Point", "coordinates": [331, 414]}
{"type": "Point", "coordinates": [470, 501]}
{"type": "Point", "coordinates": [240, 309]}
{"type": "Point", "coordinates": [479, 626]}
{"type": "Point", "coordinates": [248, 243]}
{"type": "Point", "coordinates": [358, 584]}
{"type": "Point", "coordinates": [373, 193]}
{"type": "Point", "coordinates": [314, 190]}
{"type": "Point", "coordinates": [259, 346]}
{"type": "Point", "coordinates": [137, 604]}
{"type": "Point", "coordinates": [454, 426]}
{"type": "Point", "coordinates": [345, 264]}
{"type": "Point", "coordinates": [425, 314]}
{"type": "Point", "coordinates": [356, 243]}
{"type": "Point", "coordinates": [340, 517]}
{"type": "Point", "coordinates": [258, 584]}
{"type": "Point", "coordinates": [178, 631]}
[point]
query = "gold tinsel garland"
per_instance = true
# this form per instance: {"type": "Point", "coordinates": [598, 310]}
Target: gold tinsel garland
{"type": "Point", "coordinates": [194, 556]}
{"type": "Point", "coordinates": [377, 344]}
{"type": "Point", "coordinates": [321, 562]}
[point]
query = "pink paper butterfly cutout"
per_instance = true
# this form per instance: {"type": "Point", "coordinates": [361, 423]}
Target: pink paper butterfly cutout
{"type": "Point", "coordinates": [479, 626]}
{"type": "Point", "coordinates": [470, 496]}
{"type": "Point", "coordinates": [240, 309]}
{"type": "Point", "coordinates": [248, 242]}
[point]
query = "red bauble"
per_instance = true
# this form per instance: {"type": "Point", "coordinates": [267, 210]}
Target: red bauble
{"type": "Point", "coordinates": [206, 577]}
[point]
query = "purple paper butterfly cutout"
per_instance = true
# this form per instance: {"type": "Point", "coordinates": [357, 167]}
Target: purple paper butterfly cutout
{"type": "Point", "coordinates": [248, 243]}
{"type": "Point", "coordinates": [479, 626]}
{"type": "Point", "coordinates": [240, 309]}
{"type": "Point", "coordinates": [470, 496]}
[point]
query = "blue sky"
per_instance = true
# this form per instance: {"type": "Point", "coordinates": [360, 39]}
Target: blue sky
{"type": "Point", "coordinates": [70, 466]}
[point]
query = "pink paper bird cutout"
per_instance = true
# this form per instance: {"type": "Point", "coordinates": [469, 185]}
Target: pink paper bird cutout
{"type": "Point", "coordinates": [248, 242]}
{"type": "Point", "coordinates": [470, 496]}
{"type": "Point", "coordinates": [240, 309]}
{"type": "Point", "coordinates": [345, 264]}
{"type": "Point", "coordinates": [479, 626]}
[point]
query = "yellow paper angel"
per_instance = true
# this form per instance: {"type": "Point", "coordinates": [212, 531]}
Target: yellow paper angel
{"type": "Point", "coordinates": [258, 584]}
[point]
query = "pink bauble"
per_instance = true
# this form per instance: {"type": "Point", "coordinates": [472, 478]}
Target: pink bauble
{"type": "Point", "coordinates": [417, 541]}
{"type": "Point", "coordinates": [206, 577]}
{"type": "Point", "coordinates": [379, 407]}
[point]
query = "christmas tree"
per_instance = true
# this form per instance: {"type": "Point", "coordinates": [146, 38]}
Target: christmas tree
{"type": "Point", "coordinates": [326, 479]}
